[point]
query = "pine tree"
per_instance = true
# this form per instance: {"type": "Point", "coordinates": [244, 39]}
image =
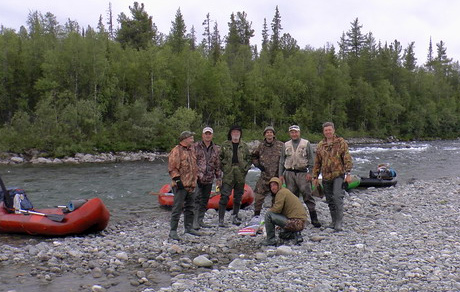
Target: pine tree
{"type": "Point", "coordinates": [275, 41]}
{"type": "Point", "coordinates": [137, 32]}
{"type": "Point", "coordinates": [409, 57]}
{"type": "Point", "coordinates": [177, 38]}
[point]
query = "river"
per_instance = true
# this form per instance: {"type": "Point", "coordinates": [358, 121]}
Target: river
{"type": "Point", "coordinates": [124, 187]}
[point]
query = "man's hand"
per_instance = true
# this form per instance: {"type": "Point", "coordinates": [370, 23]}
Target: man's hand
{"type": "Point", "coordinates": [179, 184]}
{"type": "Point", "coordinates": [348, 178]}
{"type": "Point", "coordinates": [315, 182]}
{"type": "Point", "coordinates": [308, 177]}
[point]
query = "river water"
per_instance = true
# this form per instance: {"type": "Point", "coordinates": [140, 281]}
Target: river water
{"type": "Point", "coordinates": [124, 187]}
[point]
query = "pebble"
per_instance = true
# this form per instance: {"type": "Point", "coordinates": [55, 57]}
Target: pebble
{"type": "Point", "coordinates": [394, 239]}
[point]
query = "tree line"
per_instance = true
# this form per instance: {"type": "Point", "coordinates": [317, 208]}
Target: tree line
{"type": "Point", "coordinates": [66, 89]}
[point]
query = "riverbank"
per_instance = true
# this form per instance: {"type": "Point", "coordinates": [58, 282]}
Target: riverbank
{"type": "Point", "coordinates": [37, 157]}
{"type": "Point", "coordinates": [394, 239]}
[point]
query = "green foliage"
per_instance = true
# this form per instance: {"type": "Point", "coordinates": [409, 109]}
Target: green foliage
{"type": "Point", "coordinates": [64, 92]}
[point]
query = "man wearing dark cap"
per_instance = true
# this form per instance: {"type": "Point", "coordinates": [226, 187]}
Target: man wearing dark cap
{"type": "Point", "coordinates": [208, 161]}
{"type": "Point", "coordinates": [236, 162]}
{"type": "Point", "coordinates": [182, 169]}
{"type": "Point", "coordinates": [266, 157]}
{"type": "Point", "coordinates": [295, 169]}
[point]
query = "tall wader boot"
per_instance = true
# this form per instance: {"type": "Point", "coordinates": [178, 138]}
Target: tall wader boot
{"type": "Point", "coordinates": [314, 219]}
{"type": "Point", "coordinates": [238, 191]}
{"type": "Point", "coordinates": [333, 218]}
{"type": "Point", "coordinates": [196, 219]}
{"type": "Point", "coordinates": [271, 221]}
{"type": "Point", "coordinates": [298, 237]}
{"type": "Point", "coordinates": [222, 210]}
{"type": "Point", "coordinates": [173, 232]}
{"type": "Point", "coordinates": [236, 209]}
{"type": "Point", "coordinates": [188, 224]}
{"type": "Point", "coordinates": [338, 218]}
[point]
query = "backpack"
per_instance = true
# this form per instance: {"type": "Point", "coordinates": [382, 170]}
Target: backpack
{"type": "Point", "coordinates": [383, 172]}
{"type": "Point", "coordinates": [15, 200]}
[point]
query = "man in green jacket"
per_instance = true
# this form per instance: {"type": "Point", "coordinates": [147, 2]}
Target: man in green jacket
{"type": "Point", "coordinates": [287, 212]}
{"type": "Point", "coordinates": [236, 162]}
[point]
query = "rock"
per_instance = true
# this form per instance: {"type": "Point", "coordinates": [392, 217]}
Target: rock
{"type": "Point", "coordinates": [284, 250]}
{"type": "Point", "coordinates": [17, 159]}
{"type": "Point", "coordinates": [202, 261]}
{"type": "Point", "coordinates": [98, 288]}
{"type": "Point", "coordinates": [237, 264]}
{"type": "Point", "coordinates": [97, 272]}
{"type": "Point", "coordinates": [122, 256]}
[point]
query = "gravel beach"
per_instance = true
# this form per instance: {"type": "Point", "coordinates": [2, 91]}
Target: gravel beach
{"type": "Point", "coordinates": [403, 238]}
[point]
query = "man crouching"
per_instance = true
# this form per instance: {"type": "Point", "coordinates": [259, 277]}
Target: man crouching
{"type": "Point", "coordinates": [286, 212]}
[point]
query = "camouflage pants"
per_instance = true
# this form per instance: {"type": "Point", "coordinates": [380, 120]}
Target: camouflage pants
{"type": "Point", "coordinates": [261, 191]}
{"type": "Point", "coordinates": [294, 225]}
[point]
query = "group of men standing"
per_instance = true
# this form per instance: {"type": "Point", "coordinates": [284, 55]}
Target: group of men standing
{"type": "Point", "coordinates": [194, 166]}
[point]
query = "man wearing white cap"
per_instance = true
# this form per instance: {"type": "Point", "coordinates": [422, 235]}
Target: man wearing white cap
{"type": "Point", "coordinates": [295, 169]}
{"type": "Point", "coordinates": [208, 161]}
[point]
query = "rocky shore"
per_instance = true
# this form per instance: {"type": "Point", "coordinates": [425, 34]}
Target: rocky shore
{"type": "Point", "coordinates": [37, 157]}
{"type": "Point", "coordinates": [403, 238]}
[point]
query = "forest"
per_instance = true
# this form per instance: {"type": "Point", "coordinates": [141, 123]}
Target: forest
{"type": "Point", "coordinates": [124, 85]}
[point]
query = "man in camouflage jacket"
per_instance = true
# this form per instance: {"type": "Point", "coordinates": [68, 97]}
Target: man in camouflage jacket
{"type": "Point", "coordinates": [207, 157]}
{"type": "Point", "coordinates": [266, 157]}
{"type": "Point", "coordinates": [182, 169]}
{"type": "Point", "coordinates": [236, 162]}
{"type": "Point", "coordinates": [333, 161]}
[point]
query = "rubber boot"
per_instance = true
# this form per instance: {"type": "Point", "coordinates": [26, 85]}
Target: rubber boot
{"type": "Point", "coordinates": [222, 216]}
{"type": "Point", "coordinates": [298, 238]}
{"type": "Point", "coordinates": [272, 239]}
{"type": "Point", "coordinates": [314, 219]}
{"type": "Point", "coordinates": [236, 219]}
{"type": "Point", "coordinates": [338, 220]}
{"type": "Point", "coordinates": [173, 233]}
{"type": "Point", "coordinates": [196, 220]}
{"type": "Point", "coordinates": [188, 224]}
{"type": "Point", "coordinates": [333, 219]}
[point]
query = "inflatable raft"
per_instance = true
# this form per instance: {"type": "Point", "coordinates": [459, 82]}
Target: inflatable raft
{"type": "Point", "coordinates": [166, 198]}
{"type": "Point", "coordinates": [367, 182]}
{"type": "Point", "coordinates": [91, 216]}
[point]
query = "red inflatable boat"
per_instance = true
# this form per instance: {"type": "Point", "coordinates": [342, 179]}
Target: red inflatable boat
{"type": "Point", "coordinates": [92, 216]}
{"type": "Point", "coordinates": [166, 198]}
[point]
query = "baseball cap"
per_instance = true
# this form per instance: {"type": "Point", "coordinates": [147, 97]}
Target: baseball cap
{"type": "Point", "coordinates": [294, 128]}
{"type": "Point", "coordinates": [208, 129]}
{"type": "Point", "coordinates": [269, 128]}
{"type": "Point", "coordinates": [185, 135]}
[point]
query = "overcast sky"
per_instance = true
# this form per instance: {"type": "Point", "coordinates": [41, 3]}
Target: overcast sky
{"type": "Point", "coordinates": [311, 22]}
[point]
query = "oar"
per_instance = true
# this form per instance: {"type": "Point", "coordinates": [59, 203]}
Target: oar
{"type": "Point", "coordinates": [53, 217]}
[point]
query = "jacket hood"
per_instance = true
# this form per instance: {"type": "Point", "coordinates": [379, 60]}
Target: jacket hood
{"type": "Point", "coordinates": [234, 127]}
{"type": "Point", "coordinates": [275, 179]}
